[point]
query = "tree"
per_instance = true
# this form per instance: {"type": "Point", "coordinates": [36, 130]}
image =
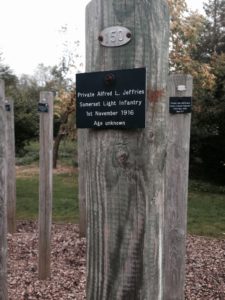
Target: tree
{"type": "Point", "coordinates": [215, 26]}
{"type": "Point", "coordinates": [26, 97]}
{"type": "Point", "coordinates": [64, 77]}
{"type": "Point", "coordinates": [7, 75]}
{"type": "Point", "coordinates": [24, 92]}
{"type": "Point", "coordinates": [64, 112]}
{"type": "Point", "coordinates": [208, 133]}
{"type": "Point", "coordinates": [197, 48]}
{"type": "Point", "coordinates": [186, 29]}
{"type": "Point", "coordinates": [212, 149]}
{"type": "Point", "coordinates": [56, 79]}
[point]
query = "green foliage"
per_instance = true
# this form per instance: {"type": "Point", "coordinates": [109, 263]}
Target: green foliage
{"type": "Point", "coordinates": [25, 93]}
{"type": "Point", "coordinates": [26, 117]}
{"type": "Point", "coordinates": [206, 187]}
{"type": "Point", "coordinates": [208, 127]}
{"type": "Point", "coordinates": [30, 154]}
{"type": "Point", "coordinates": [214, 40]}
{"type": "Point", "coordinates": [198, 48]}
{"type": "Point", "coordinates": [67, 153]}
{"type": "Point", "coordinates": [7, 75]}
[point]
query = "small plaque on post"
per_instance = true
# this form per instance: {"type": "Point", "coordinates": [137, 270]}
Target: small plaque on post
{"type": "Point", "coordinates": [115, 36]}
{"type": "Point", "coordinates": [180, 105]}
{"type": "Point", "coordinates": [111, 99]}
{"type": "Point", "coordinates": [7, 107]}
{"type": "Point", "coordinates": [43, 107]}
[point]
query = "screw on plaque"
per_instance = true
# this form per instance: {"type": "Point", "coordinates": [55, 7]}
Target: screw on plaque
{"type": "Point", "coordinates": [129, 35]}
{"type": "Point", "coordinates": [110, 79]}
{"type": "Point", "coordinates": [100, 38]}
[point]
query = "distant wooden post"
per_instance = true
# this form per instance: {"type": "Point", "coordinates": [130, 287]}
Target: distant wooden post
{"type": "Point", "coordinates": [125, 169]}
{"type": "Point", "coordinates": [82, 182]}
{"type": "Point", "coordinates": [45, 182]}
{"type": "Point", "coordinates": [177, 166]}
{"type": "Point", "coordinates": [11, 171]}
{"type": "Point", "coordinates": [3, 195]}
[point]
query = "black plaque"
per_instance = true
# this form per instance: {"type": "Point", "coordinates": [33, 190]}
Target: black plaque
{"type": "Point", "coordinates": [7, 107]}
{"type": "Point", "coordinates": [180, 105]}
{"type": "Point", "coordinates": [42, 107]}
{"type": "Point", "coordinates": [111, 99]}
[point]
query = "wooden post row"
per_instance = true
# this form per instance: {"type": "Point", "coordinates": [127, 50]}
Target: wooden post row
{"type": "Point", "coordinates": [124, 172]}
{"type": "Point", "coordinates": [177, 166]}
{"type": "Point", "coordinates": [11, 171]}
{"type": "Point", "coordinates": [3, 196]}
{"type": "Point", "coordinates": [45, 182]}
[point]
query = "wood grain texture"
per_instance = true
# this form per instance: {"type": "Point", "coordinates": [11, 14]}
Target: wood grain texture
{"type": "Point", "coordinates": [125, 169]}
{"type": "Point", "coordinates": [3, 195]}
{"type": "Point", "coordinates": [177, 165]}
{"type": "Point", "coordinates": [11, 169]}
{"type": "Point", "coordinates": [45, 186]}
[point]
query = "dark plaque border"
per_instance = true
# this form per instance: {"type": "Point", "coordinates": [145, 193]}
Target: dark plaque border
{"type": "Point", "coordinates": [8, 107]}
{"type": "Point", "coordinates": [180, 105]}
{"type": "Point", "coordinates": [111, 99]}
{"type": "Point", "coordinates": [43, 107]}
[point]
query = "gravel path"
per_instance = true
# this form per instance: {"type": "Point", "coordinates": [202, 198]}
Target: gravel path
{"type": "Point", "coordinates": [67, 265]}
{"type": "Point", "coordinates": [205, 269]}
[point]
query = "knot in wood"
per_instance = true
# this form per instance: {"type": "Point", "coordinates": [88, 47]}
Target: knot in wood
{"type": "Point", "coordinates": [122, 157]}
{"type": "Point", "coordinates": [151, 136]}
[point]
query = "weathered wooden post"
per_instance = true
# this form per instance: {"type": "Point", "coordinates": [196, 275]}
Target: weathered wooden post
{"type": "Point", "coordinates": [11, 170]}
{"type": "Point", "coordinates": [82, 182]}
{"type": "Point", "coordinates": [125, 169]}
{"type": "Point", "coordinates": [45, 108]}
{"type": "Point", "coordinates": [177, 166]}
{"type": "Point", "coordinates": [3, 195]}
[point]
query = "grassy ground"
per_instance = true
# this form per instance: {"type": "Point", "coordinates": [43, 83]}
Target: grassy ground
{"type": "Point", "coordinates": [206, 209]}
{"type": "Point", "coordinates": [65, 197]}
{"type": "Point", "coordinates": [206, 202]}
{"type": "Point", "coordinates": [65, 194]}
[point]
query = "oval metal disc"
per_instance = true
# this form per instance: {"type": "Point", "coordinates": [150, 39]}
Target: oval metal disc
{"type": "Point", "coordinates": [115, 36]}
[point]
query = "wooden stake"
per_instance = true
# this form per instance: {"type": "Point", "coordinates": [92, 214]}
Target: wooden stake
{"type": "Point", "coordinates": [125, 170]}
{"type": "Point", "coordinates": [45, 185]}
{"type": "Point", "coordinates": [177, 166]}
{"type": "Point", "coordinates": [3, 195]}
{"type": "Point", "coordinates": [82, 182]}
{"type": "Point", "coordinates": [11, 171]}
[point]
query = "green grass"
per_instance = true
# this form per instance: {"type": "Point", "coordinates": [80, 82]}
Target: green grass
{"type": "Point", "coordinates": [206, 209]}
{"type": "Point", "coordinates": [206, 204]}
{"type": "Point", "coordinates": [65, 195]}
{"type": "Point", "coordinates": [65, 198]}
{"type": "Point", "coordinates": [27, 197]}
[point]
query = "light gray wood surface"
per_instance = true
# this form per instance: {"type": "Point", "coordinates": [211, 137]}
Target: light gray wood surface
{"type": "Point", "coordinates": [177, 166]}
{"type": "Point", "coordinates": [11, 168]}
{"type": "Point", "coordinates": [3, 195]}
{"type": "Point", "coordinates": [124, 172]}
{"type": "Point", "coordinates": [45, 186]}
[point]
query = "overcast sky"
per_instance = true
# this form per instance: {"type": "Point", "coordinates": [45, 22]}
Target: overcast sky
{"type": "Point", "coordinates": [30, 30]}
